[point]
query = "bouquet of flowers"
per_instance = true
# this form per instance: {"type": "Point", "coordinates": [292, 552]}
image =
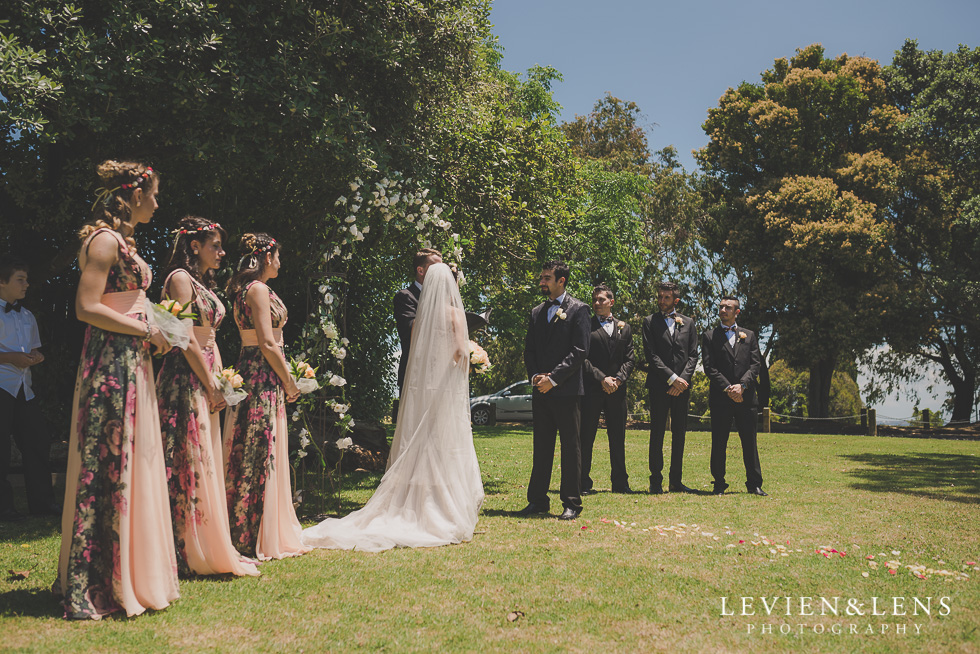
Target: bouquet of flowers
{"type": "Point", "coordinates": [230, 384]}
{"type": "Point", "coordinates": [304, 375]}
{"type": "Point", "coordinates": [173, 319]}
{"type": "Point", "coordinates": [479, 360]}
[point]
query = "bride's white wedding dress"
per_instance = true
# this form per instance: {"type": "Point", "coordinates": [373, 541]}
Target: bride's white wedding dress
{"type": "Point", "coordinates": [432, 491]}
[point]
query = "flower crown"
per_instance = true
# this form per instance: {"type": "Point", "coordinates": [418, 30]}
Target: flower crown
{"type": "Point", "coordinates": [103, 194]}
{"type": "Point", "coordinates": [143, 177]}
{"type": "Point", "coordinates": [264, 248]}
{"type": "Point", "coordinates": [207, 228]}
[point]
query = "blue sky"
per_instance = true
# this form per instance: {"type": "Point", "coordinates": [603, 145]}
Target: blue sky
{"type": "Point", "coordinates": [675, 59]}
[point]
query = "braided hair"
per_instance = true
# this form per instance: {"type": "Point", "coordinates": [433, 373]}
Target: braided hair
{"type": "Point", "coordinates": [119, 180]}
{"type": "Point", "coordinates": [250, 267]}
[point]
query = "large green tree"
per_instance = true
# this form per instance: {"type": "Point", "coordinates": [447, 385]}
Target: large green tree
{"type": "Point", "coordinates": [260, 115]}
{"type": "Point", "coordinates": [799, 206]}
{"type": "Point", "coordinates": [937, 224]}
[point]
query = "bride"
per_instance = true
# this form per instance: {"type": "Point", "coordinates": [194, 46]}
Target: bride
{"type": "Point", "coordinates": [432, 491]}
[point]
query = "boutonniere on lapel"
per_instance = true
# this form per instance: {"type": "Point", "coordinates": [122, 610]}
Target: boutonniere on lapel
{"type": "Point", "coordinates": [620, 324]}
{"type": "Point", "coordinates": [679, 321]}
{"type": "Point", "coordinates": [742, 336]}
{"type": "Point", "coordinates": [560, 315]}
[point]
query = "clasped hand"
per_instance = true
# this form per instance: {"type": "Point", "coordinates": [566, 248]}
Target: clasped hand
{"type": "Point", "coordinates": [543, 383]}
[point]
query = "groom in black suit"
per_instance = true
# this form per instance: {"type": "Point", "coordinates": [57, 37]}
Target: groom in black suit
{"type": "Point", "coordinates": [732, 360]}
{"type": "Point", "coordinates": [556, 345]}
{"type": "Point", "coordinates": [406, 303]}
{"type": "Point", "coordinates": [670, 344]}
{"type": "Point", "coordinates": [608, 366]}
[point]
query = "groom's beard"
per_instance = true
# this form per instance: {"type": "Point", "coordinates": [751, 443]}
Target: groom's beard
{"type": "Point", "coordinates": [544, 291]}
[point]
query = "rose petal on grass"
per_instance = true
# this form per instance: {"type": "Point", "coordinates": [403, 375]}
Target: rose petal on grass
{"type": "Point", "coordinates": [891, 571]}
{"type": "Point", "coordinates": [865, 574]}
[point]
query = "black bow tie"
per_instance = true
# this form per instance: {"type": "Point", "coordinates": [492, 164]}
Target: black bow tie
{"type": "Point", "coordinates": [729, 329]}
{"type": "Point", "coordinates": [604, 319]}
{"type": "Point", "coordinates": [12, 306]}
{"type": "Point", "coordinates": [557, 303]}
{"type": "Point", "coordinates": [672, 314]}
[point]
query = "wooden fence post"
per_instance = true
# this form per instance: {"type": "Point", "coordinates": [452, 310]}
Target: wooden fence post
{"type": "Point", "coordinates": [766, 420]}
{"type": "Point", "coordinates": [872, 422]}
{"type": "Point", "coordinates": [864, 418]}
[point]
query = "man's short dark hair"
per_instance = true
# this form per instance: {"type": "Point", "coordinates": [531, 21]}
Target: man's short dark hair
{"type": "Point", "coordinates": [670, 287]}
{"type": "Point", "coordinates": [9, 264]}
{"type": "Point", "coordinates": [602, 288]}
{"type": "Point", "coordinates": [560, 269]}
{"type": "Point", "coordinates": [738, 304]}
{"type": "Point", "coordinates": [422, 258]}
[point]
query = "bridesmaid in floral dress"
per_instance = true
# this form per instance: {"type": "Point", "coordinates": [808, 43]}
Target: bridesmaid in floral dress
{"type": "Point", "coordinates": [189, 402]}
{"type": "Point", "coordinates": [260, 503]}
{"type": "Point", "coordinates": [117, 545]}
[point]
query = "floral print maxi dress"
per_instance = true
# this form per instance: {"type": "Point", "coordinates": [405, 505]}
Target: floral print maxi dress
{"type": "Point", "coordinates": [256, 452]}
{"type": "Point", "coordinates": [117, 546]}
{"type": "Point", "coordinates": [192, 452]}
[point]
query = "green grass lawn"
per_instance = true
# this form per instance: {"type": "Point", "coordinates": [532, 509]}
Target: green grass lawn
{"type": "Point", "coordinates": [635, 573]}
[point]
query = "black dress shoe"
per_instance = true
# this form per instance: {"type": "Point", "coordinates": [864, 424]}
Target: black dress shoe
{"type": "Point", "coordinates": [623, 490]}
{"type": "Point", "coordinates": [719, 489]}
{"type": "Point", "coordinates": [10, 516]}
{"type": "Point", "coordinates": [655, 489]}
{"type": "Point", "coordinates": [569, 514]}
{"type": "Point", "coordinates": [531, 509]}
{"type": "Point", "coordinates": [679, 488]}
{"type": "Point", "coordinates": [591, 491]}
{"type": "Point", "coordinates": [759, 492]}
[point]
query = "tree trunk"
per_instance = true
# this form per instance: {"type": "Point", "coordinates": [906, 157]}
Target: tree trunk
{"type": "Point", "coordinates": [818, 390]}
{"type": "Point", "coordinates": [963, 398]}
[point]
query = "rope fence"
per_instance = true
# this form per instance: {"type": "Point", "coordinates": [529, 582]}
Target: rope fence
{"type": "Point", "coordinates": [867, 421]}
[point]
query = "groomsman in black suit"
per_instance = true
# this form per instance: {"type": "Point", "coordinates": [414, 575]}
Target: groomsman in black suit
{"type": "Point", "coordinates": [732, 361]}
{"type": "Point", "coordinates": [556, 345]}
{"type": "Point", "coordinates": [406, 303]}
{"type": "Point", "coordinates": [670, 344]}
{"type": "Point", "coordinates": [609, 364]}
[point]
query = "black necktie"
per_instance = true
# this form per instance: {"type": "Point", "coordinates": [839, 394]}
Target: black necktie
{"type": "Point", "coordinates": [12, 306]}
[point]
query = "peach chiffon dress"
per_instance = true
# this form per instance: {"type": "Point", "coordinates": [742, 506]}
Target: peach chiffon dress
{"type": "Point", "coordinates": [117, 545]}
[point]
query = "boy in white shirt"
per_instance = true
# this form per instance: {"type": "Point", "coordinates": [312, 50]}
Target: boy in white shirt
{"type": "Point", "coordinates": [20, 415]}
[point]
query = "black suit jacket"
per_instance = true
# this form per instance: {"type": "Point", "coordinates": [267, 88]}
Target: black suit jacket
{"type": "Point", "coordinates": [726, 365]}
{"type": "Point", "coordinates": [609, 356]}
{"type": "Point", "coordinates": [406, 303]}
{"type": "Point", "coordinates": [559, 348]}
{"type": "Point", "coordinates": [668, 355]}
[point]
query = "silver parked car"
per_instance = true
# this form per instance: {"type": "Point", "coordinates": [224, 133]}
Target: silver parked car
{"type": "Point", "coordinates": [511, 404]}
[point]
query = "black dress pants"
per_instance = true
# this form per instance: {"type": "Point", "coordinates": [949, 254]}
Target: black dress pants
{"type": "Point", "coordinates": [556, 415]}
{"type": "Point", "coordinates": [723, 411]}
{"type": "Point", "coordinates": [596, 402]}
{"type": "Point", "coordinates": [22, 419]}
{"type": "Point", "coordinates": [662, 404]}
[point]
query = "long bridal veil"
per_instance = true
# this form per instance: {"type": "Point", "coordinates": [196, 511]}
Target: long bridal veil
{"type": "Point", "coordinates": [432, 492]}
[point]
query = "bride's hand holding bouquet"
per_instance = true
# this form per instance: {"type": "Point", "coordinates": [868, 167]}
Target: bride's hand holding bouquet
{"type": "Point", "coordinates": [479, 359]}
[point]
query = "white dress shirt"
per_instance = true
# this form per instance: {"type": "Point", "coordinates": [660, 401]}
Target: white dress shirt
{"type": "Point", "coordinates": [18, 333]}
{"type": "Point", "coordinates": [608, 327]}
